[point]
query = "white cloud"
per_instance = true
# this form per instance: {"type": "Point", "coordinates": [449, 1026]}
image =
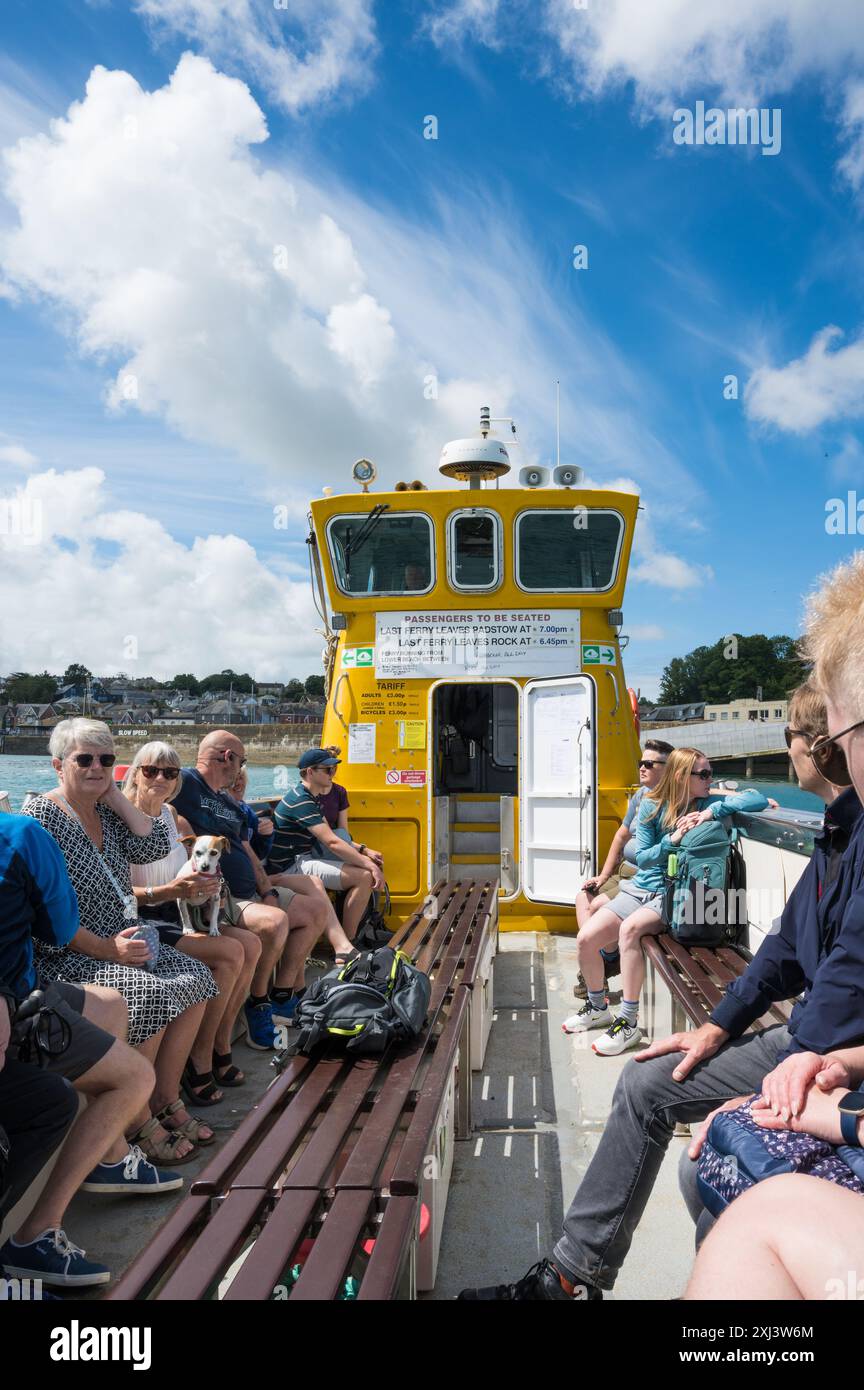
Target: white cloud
{"type": "Point", "coordinates": [229, 301]}
{"type": "Point", "coordinates": [669, 571]}
{"type": "Point", "coordinates": [84, 580]}
{"type": "Point", "coordinates": [464, 19]}
{"type": "Point", "coordinates": [820, 386]}
{"type": "Point", "coordinates": [299, 51]}
{"type": "Point", "coordinates": [645, 632]}
{"type": "Point", "coordinates": [746, 52]}
{"type": "Point", "coordinates": [18, 456]}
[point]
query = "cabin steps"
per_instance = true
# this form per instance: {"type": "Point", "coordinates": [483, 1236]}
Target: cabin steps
{"type": "Point", "coordinates": [475, 836]}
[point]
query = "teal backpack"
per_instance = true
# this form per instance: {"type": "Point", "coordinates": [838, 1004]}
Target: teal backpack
{"type": "Point", "coordinates": [705, 899]}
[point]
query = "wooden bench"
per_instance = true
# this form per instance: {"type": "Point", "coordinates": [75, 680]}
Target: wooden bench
{"type": "Point", "coordinates": [697, 978]}
{"type": "Point", "coordinates": [339, 1153]}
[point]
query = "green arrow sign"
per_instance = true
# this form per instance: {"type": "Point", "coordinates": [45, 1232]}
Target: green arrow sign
{"type": "Point", "coordinates": [597, 654]}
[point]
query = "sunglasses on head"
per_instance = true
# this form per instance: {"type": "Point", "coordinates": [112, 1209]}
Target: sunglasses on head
{"type": "Point", "coordinates": [169, 773]}
{"type": "Point", "coordinates": [705, 775]}
{"type": "Point", "coordinates": [86, 759]}
{"type": "Point", "coordinates": [649, 763]}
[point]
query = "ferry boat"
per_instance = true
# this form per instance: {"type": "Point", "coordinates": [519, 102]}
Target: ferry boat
{"type": "Point", "coordinates": [476, 690]}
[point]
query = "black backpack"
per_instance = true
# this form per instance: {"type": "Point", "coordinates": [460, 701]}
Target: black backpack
{"type": "Point", "coordinates": [373, 1000]}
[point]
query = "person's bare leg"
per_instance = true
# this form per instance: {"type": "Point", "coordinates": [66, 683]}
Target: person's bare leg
{"type": "Point", "coordinates": [600, 930]}
{"type": "Point", "coordinates": [309, 886]}
{"type": "Point", "coordinates": [270, 925]}
{"type": "Point", "coordinates": [225, 958]}
{"type": "Point", "coordinates": [642, 922]}
{"type": "Point", "coordinates": [790, 1237]}
{"type": "Point", "coordinates": [117, 1088]}
{"type": "Point", "coordinates": [306, 926]}
{"type": "Point", "coordinates": [171, 1059]}
{"type": "Point", "coordinates": [149, 1049]}
{"type": "Point", "coordinates": [251, 948]}
{"type": "Point", "coordinates": [359, 883]}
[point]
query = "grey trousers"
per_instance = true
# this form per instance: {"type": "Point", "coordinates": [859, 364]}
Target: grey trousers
{"type": "Point", "coordinates": [647, 1103]}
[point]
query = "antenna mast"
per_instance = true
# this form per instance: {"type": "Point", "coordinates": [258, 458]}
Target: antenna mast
{"type": "Point", "coordinates": [558, 423]}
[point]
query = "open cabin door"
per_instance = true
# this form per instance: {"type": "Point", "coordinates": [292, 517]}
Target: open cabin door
{"type": "Point", "coordinates": [558, 787]}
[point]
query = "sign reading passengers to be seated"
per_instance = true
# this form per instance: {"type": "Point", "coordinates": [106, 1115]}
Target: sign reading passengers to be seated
{"type": "Point", "coordinates": [528, 642]}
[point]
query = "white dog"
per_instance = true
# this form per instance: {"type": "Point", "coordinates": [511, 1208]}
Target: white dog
{"type": "Point", "coordinates": [207, 850]}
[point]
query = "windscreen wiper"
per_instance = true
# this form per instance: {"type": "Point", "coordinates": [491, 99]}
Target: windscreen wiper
{"type": "Point", "coordinates": [353, 544]}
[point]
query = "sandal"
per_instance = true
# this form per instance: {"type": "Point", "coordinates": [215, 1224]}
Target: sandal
{"type": "Point", "coordinates": [190, 1129]}
{"type": "Point", "coordinates": [343, 957]}
{"type": "Point", "coordinates": [230, 1075]}
{"type": "Point", "coordinates": [199, 1087]}
{"type": "Point", "coordinates": [161, 1150]}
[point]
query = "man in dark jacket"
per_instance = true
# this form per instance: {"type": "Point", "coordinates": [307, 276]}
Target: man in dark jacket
{"type": "Point", "coordinates": [819, 949]}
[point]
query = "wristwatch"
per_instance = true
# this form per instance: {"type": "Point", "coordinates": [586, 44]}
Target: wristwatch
{"type": "Point", "coordinates": [851, 1109]}
{"type": "Point", "coordinates": [148, 894]}
{"type": "Point", "coordinates": [361, 849]}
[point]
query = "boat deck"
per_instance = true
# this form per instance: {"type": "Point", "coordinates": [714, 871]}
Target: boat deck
{"type": "Point", "coordinates": [540, 1104]}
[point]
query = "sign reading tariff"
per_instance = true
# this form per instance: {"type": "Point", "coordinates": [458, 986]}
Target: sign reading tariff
{"type": "Point", "coordinates": [533, 642]}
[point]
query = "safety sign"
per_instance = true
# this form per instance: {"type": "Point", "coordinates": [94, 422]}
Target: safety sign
{"type": "Point", "coordinates": [354, 657]}
{"type": "Point", "coordinates": [405, 777]}
{"type": "Point", "coordinates": [597, 654]}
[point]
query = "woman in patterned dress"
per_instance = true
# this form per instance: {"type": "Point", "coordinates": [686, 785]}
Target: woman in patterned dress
{"type": "Point", "coordinates": [100, 832]}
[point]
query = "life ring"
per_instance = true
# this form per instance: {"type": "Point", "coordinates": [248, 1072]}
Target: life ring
{"type": "Point", "coordinates": [634, 705]}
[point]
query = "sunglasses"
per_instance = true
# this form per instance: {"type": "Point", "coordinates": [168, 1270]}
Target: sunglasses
{"type": "Point", "coordinates": [169, 773]}
{"type": "Point", "coordinates": [228, 756]}
{"type": "Point", "coordinates": [790, 733]}
{"type": "Point", "coordinates": [705, 775]}
{"type": "Point", "coordinates": [85, 759]}
{"type": "Point", "coordinates": [827, 739]}
{"type": "Point", "coordinates": [647, 763]}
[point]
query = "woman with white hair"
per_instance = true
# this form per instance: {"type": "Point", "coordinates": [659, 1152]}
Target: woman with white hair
{"type": "Point", "coordinates": [153, 779]}
{"type": "Point", "coordinates": [100, 832]}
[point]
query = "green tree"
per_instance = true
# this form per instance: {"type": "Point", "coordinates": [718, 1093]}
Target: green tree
{"type": "Point", "coordinates": [733, 668]}
{"type": "Point", "coordinates": [223, 680]}
{"type": "Point", "coordinates": [186, 682]}
{"type": "Point", "coordinates": [24, 689]}
{"type": "Point", "coordinates": [314, 687]}
{"type": "Point", "coordinates": [294, 691]}
{"type": "Point", "coordinates": [75, 674]}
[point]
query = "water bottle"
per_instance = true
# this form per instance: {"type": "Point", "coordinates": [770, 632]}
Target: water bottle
{"type": "Point", "coordinates": [145, 931]}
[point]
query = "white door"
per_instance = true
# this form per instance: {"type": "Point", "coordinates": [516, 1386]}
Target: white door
{"type": "Point", "coordinates": [558, 787]}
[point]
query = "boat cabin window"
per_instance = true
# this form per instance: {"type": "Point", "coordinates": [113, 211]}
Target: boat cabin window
{"type": "Point", "coordinates": [568, 551]}
{"type": "Point", "coordinates": [389, 554]}
{"type": "Point", "coordinates": [474, 550]}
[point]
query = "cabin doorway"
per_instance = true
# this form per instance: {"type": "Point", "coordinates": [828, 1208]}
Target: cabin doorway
{"type": "Point", "coordinates": [475, 781]}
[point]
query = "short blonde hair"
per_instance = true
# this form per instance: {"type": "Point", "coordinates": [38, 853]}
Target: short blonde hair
{"type": "Point", "coordinates": [155, 754]}
{"type": "Point", "coordinates": [70, 732]}
{"type": "Point", "coordinates": [807, 712]}
{"type": "Point", "coordinates": [834, 634]}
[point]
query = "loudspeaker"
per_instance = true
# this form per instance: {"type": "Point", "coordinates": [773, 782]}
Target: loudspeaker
{"type": "Point", "coordinates": [533, 477]}
{"type": "Point", "coordinates": [565, 476]}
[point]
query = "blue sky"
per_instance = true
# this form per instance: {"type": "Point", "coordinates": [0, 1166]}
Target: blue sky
{"type": "Point", "coordinates": [138, 242]}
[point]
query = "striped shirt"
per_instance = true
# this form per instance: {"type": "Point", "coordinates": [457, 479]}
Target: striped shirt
{"type": "Point", "coordinates": [295, 815]}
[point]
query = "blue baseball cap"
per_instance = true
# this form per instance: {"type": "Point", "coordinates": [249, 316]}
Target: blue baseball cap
{"type": "Point", "coordinates": [317, 757]}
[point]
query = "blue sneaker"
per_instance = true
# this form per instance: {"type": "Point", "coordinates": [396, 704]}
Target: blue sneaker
{"type": "Point", "coordinates": [134, 1174]}
{"type": "Point", "coordinates": [260, 1032]}
{"type": "Point", "coordinates": [53, 1259]}
{"type": "Point", "coordinates": [284, 1010]}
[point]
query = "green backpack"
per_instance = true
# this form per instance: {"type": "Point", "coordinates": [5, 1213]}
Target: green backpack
{"type": "Point", "coordinates": [705, 903]}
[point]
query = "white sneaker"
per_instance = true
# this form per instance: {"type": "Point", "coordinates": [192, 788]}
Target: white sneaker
{"type": "Point", "coordinates": [618, 1038]}
{"type": "Point", "coordinates": [587, 1017]}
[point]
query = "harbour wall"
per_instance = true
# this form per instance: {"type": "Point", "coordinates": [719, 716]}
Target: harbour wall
{"type": "Point", "coordinates": [264, 743]}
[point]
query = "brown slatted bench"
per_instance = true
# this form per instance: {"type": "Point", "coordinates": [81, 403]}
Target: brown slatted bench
{"type": "Point", "coordinates": [697, 978]}
{"type": "Point", "coordinates": [340, 1151]}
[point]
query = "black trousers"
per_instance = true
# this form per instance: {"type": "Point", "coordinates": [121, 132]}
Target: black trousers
{"type": "Point", "coordinates": [37, 1109]}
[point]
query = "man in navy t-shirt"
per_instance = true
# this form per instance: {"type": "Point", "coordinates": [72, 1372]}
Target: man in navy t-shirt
{"type": "Point", "coordinates": [287, 926]}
